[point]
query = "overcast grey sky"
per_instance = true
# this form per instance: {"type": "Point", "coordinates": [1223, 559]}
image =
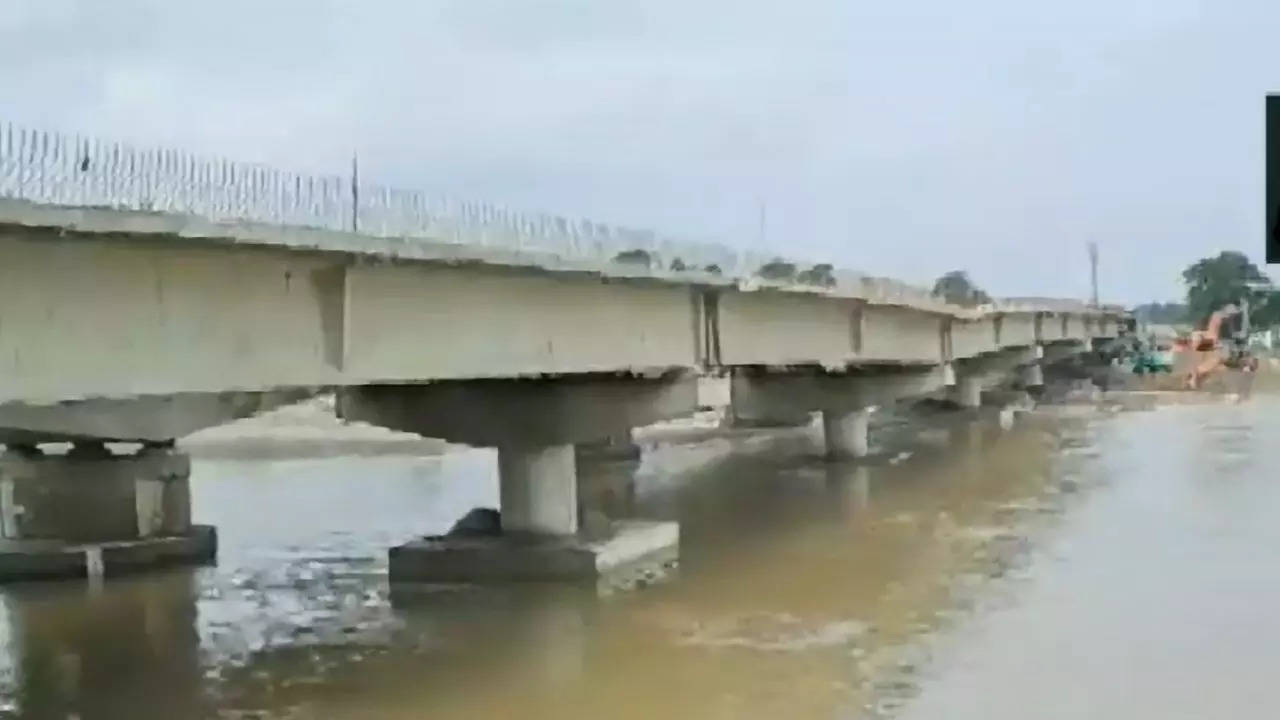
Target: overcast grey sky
{"type": "Point", "coordinates": [901, 138]}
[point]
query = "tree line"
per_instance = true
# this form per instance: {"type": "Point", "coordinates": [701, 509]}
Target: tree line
{"type": "Point", "coordinates": [1211, 283]}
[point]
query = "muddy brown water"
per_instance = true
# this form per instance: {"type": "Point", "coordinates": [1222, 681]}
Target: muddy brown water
{"type": "Point", "coordinates": [1156, 598]}
{"type": "Point", "coordinates": [968, 570]}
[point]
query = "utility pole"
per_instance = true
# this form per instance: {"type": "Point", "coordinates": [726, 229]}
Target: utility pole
{"type": "Point", "coordinates": [763, 219]}
{"type": "Point", "coordinates": [1093, 272]}
{"type": "Point", "coordinates": [355, 193]}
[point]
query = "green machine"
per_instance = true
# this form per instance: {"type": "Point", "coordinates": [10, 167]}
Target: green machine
{"type": "Point", "coordinates": [1152, 358]}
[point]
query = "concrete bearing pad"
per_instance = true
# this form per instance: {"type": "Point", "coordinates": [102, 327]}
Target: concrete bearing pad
{"type": "Point", "coordinates": [47, 559]}
{"type": "Point", "coordinates": [637, 547]}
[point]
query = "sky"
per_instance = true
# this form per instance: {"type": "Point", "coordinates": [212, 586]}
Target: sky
{"type": "Point", "coordinates": [903, 139]}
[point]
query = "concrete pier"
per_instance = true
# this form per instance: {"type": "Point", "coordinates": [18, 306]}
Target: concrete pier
{"type": "Point", "coordinates": [846, 433]}
{"type": "Point", "coordinates": [968, 392]}
{"type": "Point", "coordinates": [535, 424]}
{"type": "Point", "coordinates": [91, 512]}
{"type": "Point", "coordinates": [636, 548]}
{"type": "Point", "coordinates": [1032, 375]}
{"type": "Point", "coordinates": [538, 490]}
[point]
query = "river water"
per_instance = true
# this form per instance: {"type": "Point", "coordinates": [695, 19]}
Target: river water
{"type": "Point", "coordinates": [1079, 565]}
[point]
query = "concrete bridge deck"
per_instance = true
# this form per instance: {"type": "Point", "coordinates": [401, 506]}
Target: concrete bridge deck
{"type": "Point", "coordinates": [140, 326]}
{"type": "Point", "coordinates": [101, 303]}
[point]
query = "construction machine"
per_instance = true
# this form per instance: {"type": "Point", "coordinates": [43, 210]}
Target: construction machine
{"type": "Point", "coordinates": [1153, 358]}
{"type": "Point", "coordinates": [1213, 352]}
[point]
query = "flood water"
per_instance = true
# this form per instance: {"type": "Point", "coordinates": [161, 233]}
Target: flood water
{"type": "Point", "coordinates": [1086, 566]}
{"type": "Point", "coordinates": [1156, 599]}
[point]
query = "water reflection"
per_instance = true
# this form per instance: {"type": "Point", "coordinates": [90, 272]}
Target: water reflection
{"type": "Point", "coordinates": [80, 653]}
{"type": "Point", "coordinates": [795, 575]}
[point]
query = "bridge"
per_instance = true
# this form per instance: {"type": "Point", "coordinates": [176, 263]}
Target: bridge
{"type": "Point", "coordinates": [146, 295]}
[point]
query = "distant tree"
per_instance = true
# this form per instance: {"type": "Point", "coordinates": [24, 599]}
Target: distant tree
{"type": "Point", "coordinates": [777, 269]}
{"type": "Point", "coordinates": [634, 257]}
{"type": "Point", "coordinates": [712, 269]}
{"type": "Point", "coordinates": [1161, 313]}
{"type": "Point", "coordinates": [956, 288]}
{"type": "Point", "coordinates": [821, 274]}
{"type": "Point", "coordinates": [1214, 282]}
{"type": "Point", "coordinates": [677, 265]}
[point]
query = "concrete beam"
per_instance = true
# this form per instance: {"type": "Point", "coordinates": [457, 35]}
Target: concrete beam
{"type": "Point", "coordinates": [1017, 330]}
{"type": "Point", "coordinates": [528, 413]}
{"type": "Point", "coordinates": [898, 335]}
{"type": "Point", "coordinates": [481, 324]}
{"type": "Point", "coordinates": [1061, 326]}
{"type": "Point", "coordinates": [142, 419]}
{"type": "Point", "coordinates": [1076, 328]}
{"type": "Point", "coordinates": [1057, 352]}
{"type": "Point", "coordinates": [973, 337]}
{"type": "Point", "coordinates": [1048, 327]}
{"type": "Point", "coordinates": [128, 316]}
{"type": "Point", "coordinates": [139, 309]}
{"type": "Point", "coordinates": [765, 394]}
{"type": "Point", "coordinates": [776, 328]}
{"type": "Point", "coordinates": [990, 369]}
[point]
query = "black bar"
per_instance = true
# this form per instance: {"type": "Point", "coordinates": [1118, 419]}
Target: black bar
{"type": "Point", "coordinates": [1273, 179]}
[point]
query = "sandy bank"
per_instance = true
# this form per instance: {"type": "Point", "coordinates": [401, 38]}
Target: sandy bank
{"type": "Point", "coordinates": [308, 429]}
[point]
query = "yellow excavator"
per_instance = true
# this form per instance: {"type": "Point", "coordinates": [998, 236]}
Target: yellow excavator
{"type": "Point", "coordinates": [1212, 353]}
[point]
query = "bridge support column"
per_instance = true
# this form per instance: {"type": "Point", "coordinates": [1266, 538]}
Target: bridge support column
{"type": "Point", "coordinates": [968, 392]}
{"type": "Point", "coordinates": [1032, 376]}
{"type": "Point", "coordinates": [538, 490]}
{"type": "Point", "coordinates": [91, 512]}
{"type": "Point", "coordinates": [846, 433]}
{"type": "Point", "coordinates": [543, 532]}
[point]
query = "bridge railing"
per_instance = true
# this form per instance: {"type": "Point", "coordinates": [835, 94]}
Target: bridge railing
{"type": "Point", "coordinates": [74, 170]}
{"type": "Point", "coordinates": [82, 171]}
